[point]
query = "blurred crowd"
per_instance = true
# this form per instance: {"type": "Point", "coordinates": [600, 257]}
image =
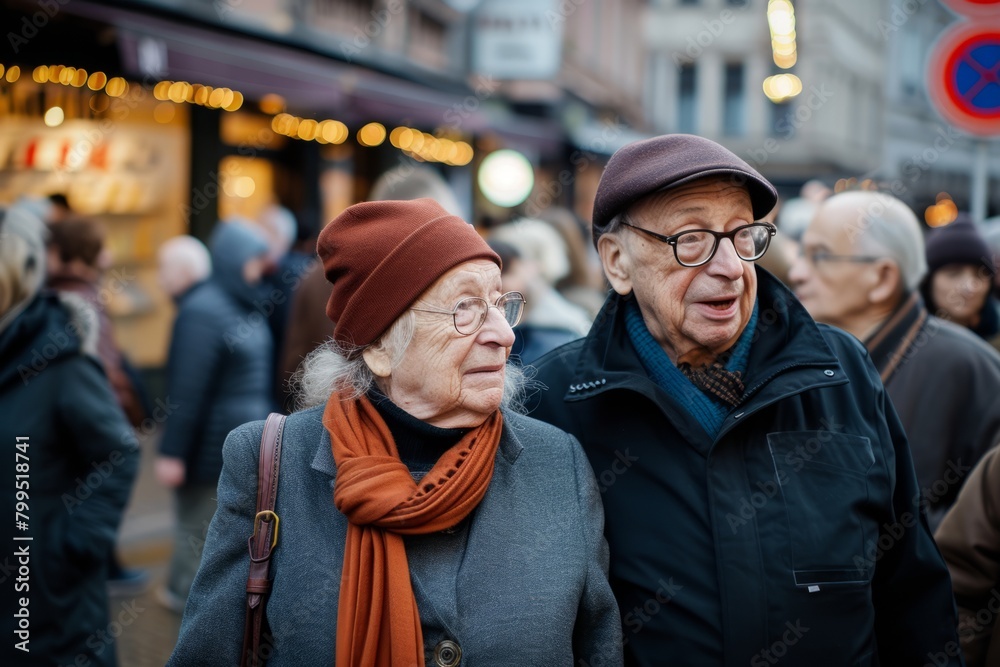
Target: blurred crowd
{"type": "Point", "coordinates": [250, 306]}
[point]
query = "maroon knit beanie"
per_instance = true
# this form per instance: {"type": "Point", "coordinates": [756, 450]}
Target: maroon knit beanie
{"type": "Point", "coordinates": [382, 255]}
{"type": "Point", "coordinates": [958, 243]}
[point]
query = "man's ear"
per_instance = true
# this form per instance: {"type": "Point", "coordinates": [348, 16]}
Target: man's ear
{"type": "Point", "coordinates": [378, 361]}
{"type": "Point", "coordinates": [616, 262]}
{"type": "Point", "coordinates": [887, 282]}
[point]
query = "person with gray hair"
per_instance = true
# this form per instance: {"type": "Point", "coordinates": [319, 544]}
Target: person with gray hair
{"type": "Point", "coordinates": [182, 263]}
{"type": "Point", "coordinates": [69, 463]}
{"type": "Point", "coordinates": [860, 268]}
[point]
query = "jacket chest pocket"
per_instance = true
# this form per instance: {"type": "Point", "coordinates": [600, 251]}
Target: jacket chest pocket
{"type": "Point", "coordinates": [823, 478]}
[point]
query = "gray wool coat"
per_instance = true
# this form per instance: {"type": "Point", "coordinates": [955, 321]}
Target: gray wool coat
{"type": "Point", "coordinates": [522, 581]}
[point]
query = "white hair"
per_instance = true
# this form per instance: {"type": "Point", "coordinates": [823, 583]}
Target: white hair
{"type": "Point", "coordinates": [538, 242]}
{"type": "Point", "coordinates": [186, 255]}
{"type": "Point", "coordinates": [280, 229]}
{"type": "Point", "coordinates": [413, 181]}
{"type": "Point", "coordinates": [335, 367]}
{"type": "Point", "coordinates": [22, 260]}
{"type": "Point", "coordinates": [886, 226]}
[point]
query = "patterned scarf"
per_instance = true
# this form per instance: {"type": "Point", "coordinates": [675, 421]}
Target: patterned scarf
{"type": "Point", "coordinates": [378, 624]}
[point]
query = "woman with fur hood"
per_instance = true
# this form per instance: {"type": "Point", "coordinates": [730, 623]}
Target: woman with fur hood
{"type": "Point", "coordinates": [68, 464]}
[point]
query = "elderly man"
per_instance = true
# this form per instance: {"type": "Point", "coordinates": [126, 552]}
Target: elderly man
{"type": "Point", "coordinates": [861, 265]}
{"type": "Point", "coordinates": [759, 493]}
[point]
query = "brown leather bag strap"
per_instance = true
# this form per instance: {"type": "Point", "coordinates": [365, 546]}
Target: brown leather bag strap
{"type": "Point", "coordinates": [263, 541]}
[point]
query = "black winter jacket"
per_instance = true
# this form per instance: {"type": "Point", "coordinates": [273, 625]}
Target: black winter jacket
{"type": "Point", "coordinates": [795, 535]}
{"type": "Point", "coordinates": [69, 459]}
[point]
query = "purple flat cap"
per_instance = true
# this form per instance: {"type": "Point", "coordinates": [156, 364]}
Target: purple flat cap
{"type": "Point", "coordinates": [661, 163]}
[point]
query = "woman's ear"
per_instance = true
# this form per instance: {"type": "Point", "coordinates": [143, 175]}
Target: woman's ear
{"type": "Point", "coordinates": [378, 361]}
{"type": "Point", "coordinates": [616, 262]}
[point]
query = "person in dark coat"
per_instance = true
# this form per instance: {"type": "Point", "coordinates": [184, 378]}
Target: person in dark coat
{"type": "Point", "coordinates": [862, 263]}
{"type": "Point", "coordinates": [218, 377]}
{"type": "Point", "coordinates": [70, 458]}
{"type": "Point", "coordinates": [422, 520]}
{"type": "Point", "coordinates": [958, 286]}
{"type": "Point", "coordinates": [761, 500]}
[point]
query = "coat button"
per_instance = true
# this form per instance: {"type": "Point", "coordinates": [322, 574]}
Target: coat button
{"type": "Point", "coordinates": [829, 374]}
{"type": "Point", "coordinates": [447, 654]}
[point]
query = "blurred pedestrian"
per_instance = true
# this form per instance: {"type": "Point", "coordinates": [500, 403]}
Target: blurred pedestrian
{"type": "Point", "coordinates": [545, 262]}
{"type": "Point", "coordinates": [286, 268]}
{"type": "Point", "coordinates": [183, 262]}
{"type": "Point", "coordinates": [860, 269]}
{"type": "Point", "coordinates": [76, 263]}
{"type": "Point", "coordinates": [458, 532]}
{"type": "Point", "coordinates": [753, 471]}
{"type": "Point", "coordinates": [69, 463]}
{"type": "Point", "coordinates": [584, 283]}
{"type": "Point", "coordinates": [218, 376]}
{"type": "Point", "coordinates": [969, 539]}
{"type": "Point", "coordinates": [530, 341]}
{"type": "Point", "coordinates": [958, 286]}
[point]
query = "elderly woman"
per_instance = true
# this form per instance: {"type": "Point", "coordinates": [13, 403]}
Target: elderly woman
{"type": "Point", "coordinates": [69, 462]}
{"type": "Point", "coordinates": [422, 520]}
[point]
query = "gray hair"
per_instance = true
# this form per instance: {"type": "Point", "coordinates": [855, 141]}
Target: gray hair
{"type": "Point", "coordinates": [886, 226]}
{"type": "Point", "coordinates": [335, 367]}
{"type": "Point", "coordinates": [22, 260]}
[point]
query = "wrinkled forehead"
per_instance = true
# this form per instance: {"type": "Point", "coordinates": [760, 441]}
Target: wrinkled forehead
{"type": "Point", "coordinates": [713, 194]}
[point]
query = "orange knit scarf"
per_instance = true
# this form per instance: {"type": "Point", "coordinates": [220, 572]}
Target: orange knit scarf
{"type": "Point", "coordinates": [378, 624]}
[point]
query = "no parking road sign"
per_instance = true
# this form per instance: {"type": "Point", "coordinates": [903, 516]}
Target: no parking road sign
{"type": "Point", "coordinates": [963, 76]}
{"type": "Point", "coordinates": [974, 8]}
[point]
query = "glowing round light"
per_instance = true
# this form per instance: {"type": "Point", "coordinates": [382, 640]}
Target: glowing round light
{"type": "Point", "coordinates": [782, 87]}
{"type": "Point", "coordinates": [272, 104]}
{"type": "Point", "coordinates": [40, 75]}
{"type": "Point", "coordinates": [217, 97]}
{"type": "Point", "coordinates": [506, 177]}
{"type": "Point", "coordinates": [371, 134]}
{"type": "Point", "coordinates": [99, 103]}
{"type": "Point", "coordinates": [244, 187]}
{"type": "Point", "coordinates": [13, 72]}
{"type": "Point", "coordinates": [98, 80]}
{"type": "Point", "coordinates": [394, 136]}
{"type": "Point", "coordinates": [117, 87]}
{"type": "Point", "coordinates": [307, 129]}
{"type": "Point", "coordinates": [201, 95]}
{"type": "Point", "coordinates": [67, 75]}
{"type": "Point", "coordinates": [54, 117]}
{"type": "Point", "coordinates": [55, 71]}
{"type": "Point", "coordinates": [464, 154]}
{"type": "Point", "coordinates": [236, 102]}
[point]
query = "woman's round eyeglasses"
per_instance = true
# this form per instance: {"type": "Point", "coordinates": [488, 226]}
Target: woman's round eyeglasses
{"type": "Point", "coordinates": [470, 313]}
{"type": "Point", "coordinates": [695, 247]}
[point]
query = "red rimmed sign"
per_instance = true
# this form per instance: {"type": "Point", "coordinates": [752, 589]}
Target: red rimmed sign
{"type": "Point", "coordinates": [974, 8]}
{"type": "Point", "coordinates": [963, 76]}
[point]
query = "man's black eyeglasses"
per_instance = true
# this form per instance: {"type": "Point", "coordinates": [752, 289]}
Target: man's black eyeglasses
{"type": "Point", "coordinates": [696, 247]}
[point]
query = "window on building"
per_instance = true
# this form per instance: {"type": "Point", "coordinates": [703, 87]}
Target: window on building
{"type": "Point", "coordinates": [687, 99]}
{"type": "Point", "coordinates": [734, 101]}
